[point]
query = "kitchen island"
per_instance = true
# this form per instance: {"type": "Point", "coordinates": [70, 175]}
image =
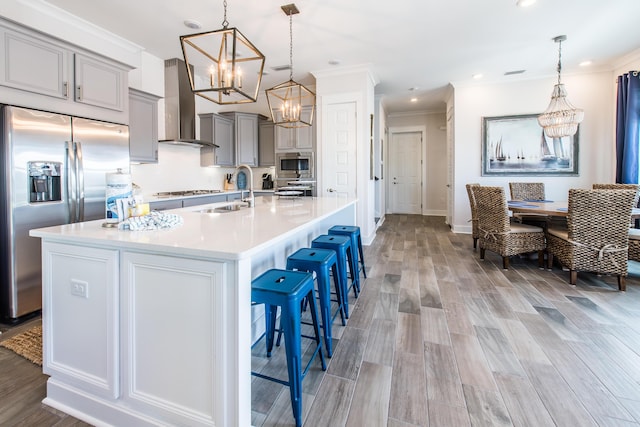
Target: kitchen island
{"type": "Point", "coordinates": [155, 327]}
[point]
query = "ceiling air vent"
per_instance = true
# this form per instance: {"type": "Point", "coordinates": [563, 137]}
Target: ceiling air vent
{"type": "Point", "coordinates": [281, 67]}
{"type": "Point", "coordinates": [511, 73]}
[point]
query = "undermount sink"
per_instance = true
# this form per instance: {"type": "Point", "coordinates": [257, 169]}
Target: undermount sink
{"type": "Point", "coordinates": [223, 209]}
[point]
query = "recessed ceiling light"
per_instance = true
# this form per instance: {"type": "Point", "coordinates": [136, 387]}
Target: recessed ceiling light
{"type": "Point", "coordinates": [525, 3]}
{"type": "Point", "coordinates": [477, 76]}
{"type": "Point", "coordinates": [585, 63]}
{"type": "Point", "coordinates": [414, 99]}
{"type": "Point", "coordinates": [192, 23]}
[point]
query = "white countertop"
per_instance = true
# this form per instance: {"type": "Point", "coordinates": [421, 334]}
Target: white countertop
{"type": "Point", "coordinates": [230, 235]}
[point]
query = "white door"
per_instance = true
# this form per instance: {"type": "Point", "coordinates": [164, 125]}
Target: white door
{"type": "Point", "coordinates": [339, 168]}
{"type": "Point", "coordinates": [405, 173]}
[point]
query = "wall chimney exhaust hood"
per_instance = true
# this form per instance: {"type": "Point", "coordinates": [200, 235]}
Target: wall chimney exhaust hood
{"type": "Point", "coordinates": [180, 106]}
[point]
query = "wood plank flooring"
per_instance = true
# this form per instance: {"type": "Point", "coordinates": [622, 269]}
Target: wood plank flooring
{"type": "Point", "coordinates": [439, 338]}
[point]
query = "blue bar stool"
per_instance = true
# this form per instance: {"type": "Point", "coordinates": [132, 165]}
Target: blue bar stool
{"type": "Point", "coordinates": [322, 262]}
{"type": "Point", "coordinates": [288, 289]}
{"type": "Point", "coordinates": [352, 231]}
{"type": "Point", "coordinates": [342, 246]}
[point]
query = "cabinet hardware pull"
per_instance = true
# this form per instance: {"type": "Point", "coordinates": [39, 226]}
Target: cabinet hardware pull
{"type": "Point", "coordinates": [65, 89]}
{"type": "Point", "coordinates": [79, 93]}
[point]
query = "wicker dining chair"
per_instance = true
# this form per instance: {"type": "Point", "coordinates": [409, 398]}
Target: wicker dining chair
{"type": "Point", "coordinates": [474, 214]}
{"type": "Point", "coordinates": [497, 234]}
{"type": "Point", "coordinates": [634, 244]}
{"type": "Point", "coordinates": [634, 187]}
{"type": "Point", "coordinates": [597, 234]}
{"type": "Point", "coordinates": [529, 191]}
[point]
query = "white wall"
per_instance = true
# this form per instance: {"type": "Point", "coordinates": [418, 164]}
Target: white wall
{"type": "Point", "coordinates": [178, 168]}
{"type": "Point", "coordinates": [592, 92]}
{"type": "Point", "coordinates": [359, 82]}
{"type": "Point", "coordinates": [435, 185]}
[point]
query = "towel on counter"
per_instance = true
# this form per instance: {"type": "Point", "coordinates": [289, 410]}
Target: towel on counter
{"type": "Point", "coordinates": [152, 221]}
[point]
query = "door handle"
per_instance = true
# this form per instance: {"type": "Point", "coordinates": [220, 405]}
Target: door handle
{"type": "Point", "coordinates": [80, 180]}
{"type": "Point", "coordinates": [331, 190]}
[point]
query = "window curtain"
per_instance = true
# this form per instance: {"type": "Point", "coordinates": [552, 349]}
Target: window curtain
{"type": "Point", "coordinates": [628, 128]}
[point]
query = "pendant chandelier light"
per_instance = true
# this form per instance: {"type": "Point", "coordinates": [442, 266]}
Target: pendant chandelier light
{"type": "Point", "coordinates": [560, 118]}
{"type": "Point", "coordinates": [223, 65]}
{"type": "Point", "coordinates": [291, 104]}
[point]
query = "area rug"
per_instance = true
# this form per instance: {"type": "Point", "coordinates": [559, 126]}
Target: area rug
{"type": "Point", "coordinates": [27, 344]}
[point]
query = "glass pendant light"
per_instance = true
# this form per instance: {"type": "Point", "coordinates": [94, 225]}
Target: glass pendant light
{"type": "Point", "coordinates": [560, 118]}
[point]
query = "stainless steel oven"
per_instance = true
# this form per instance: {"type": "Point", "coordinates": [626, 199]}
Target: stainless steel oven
{"type": "Point", "coordinates": [299, 165]}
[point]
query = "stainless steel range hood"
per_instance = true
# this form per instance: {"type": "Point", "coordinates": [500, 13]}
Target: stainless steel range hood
{"type": "Point", "coordinates": [180, 106]}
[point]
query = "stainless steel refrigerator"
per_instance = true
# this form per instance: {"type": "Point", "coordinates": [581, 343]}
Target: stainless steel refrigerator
{"type": "Point", "coordinates": [53, 172]}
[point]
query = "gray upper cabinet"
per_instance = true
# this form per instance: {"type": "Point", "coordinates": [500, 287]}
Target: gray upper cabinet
{"type": "Point", "coordinates": [294, 139]}
{"type": "Point", "coordinates": [143, 126]}
{"type": "Point", "coordinates": [246, 137]}
{"type": "Point", "coordinates": [219, 130]}
{"type": "Point", "coordinates": [266, 141]}
{"type": "Point", "coordinates": [36, 64]}
{"type": "Point", "coordinates": [99, 83]}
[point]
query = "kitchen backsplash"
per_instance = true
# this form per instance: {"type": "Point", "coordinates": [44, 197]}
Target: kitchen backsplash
{"type": "Point", "coordinates": [178, 168]}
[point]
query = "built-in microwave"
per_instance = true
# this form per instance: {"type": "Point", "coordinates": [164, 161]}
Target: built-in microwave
{"type": "Point", "coordinates": [298, 165]}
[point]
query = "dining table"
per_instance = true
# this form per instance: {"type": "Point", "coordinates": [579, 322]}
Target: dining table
{"type": "Point", "coordinates": [549, 207]}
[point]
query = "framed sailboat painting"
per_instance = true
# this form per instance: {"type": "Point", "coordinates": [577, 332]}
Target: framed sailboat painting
{"type": "Point", "coordinates": [517, 145]}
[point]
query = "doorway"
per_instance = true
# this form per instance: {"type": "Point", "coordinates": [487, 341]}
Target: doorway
{"type": "Point", "coordinates": [405, 181]}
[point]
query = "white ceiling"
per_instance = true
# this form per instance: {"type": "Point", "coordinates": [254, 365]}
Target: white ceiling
{"type": "Point", "coordinates": [423, 44]}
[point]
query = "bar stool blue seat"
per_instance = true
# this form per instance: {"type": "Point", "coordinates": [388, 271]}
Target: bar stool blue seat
{"type": "Point", "coordinates": [342, 246]}
{"type": "Point", "coordinates": [322, 262]}
{"type": "Point", "coordinates": [353, 231]}
{"type": "Point", "coordinates": [288, 289]}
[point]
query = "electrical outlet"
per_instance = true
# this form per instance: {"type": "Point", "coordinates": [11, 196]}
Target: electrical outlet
{"type": "Point", "coordinates": [79, 288]}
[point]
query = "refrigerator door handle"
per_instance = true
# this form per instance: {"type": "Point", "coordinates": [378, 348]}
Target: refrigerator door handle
{"type": "Point", "coordinates": [71, 181]}
{"type": "Point", "coordinates": [80, 175]}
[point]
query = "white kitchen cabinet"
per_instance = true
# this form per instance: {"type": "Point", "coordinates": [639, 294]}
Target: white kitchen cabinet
{"type": "Point", "coordinates": [143, 127]}
{"type": "Point", "coordinates": [246, 137]}
{"type": "Point", "coordinates": [158, 293]}
{"type": "Point", "coordinates": [38, 64]}
{"type": "Point", "coordinates": [81, 291]}
{"type": "Point", "coordinates": [266, 144]}
{"type": "Point", "coordinates": [219, 130]}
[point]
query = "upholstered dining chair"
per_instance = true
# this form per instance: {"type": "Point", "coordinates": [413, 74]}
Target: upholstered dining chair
{"type": "Point", "coordinates": [529, 191]}
{"type": "Point", "coordinates": [498, 234]}
{"type": "Point", "coordinates": [597, 234]}
{"type": "Point", "coordinates": [474, 214]}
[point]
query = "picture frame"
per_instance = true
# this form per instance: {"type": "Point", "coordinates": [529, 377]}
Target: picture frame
{"type": "Point", "coordinates": [517, 145]}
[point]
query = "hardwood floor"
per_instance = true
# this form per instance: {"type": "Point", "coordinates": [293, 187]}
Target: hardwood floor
{"type": "Point", "coordinates": [439, 338]}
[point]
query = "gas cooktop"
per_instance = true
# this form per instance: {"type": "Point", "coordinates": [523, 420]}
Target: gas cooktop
{"type": "Point", "coordinates": [185, 193]}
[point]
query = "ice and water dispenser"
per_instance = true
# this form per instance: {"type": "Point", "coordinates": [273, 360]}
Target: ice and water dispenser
{"type": "Point", "coordinates": [44, 181]}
